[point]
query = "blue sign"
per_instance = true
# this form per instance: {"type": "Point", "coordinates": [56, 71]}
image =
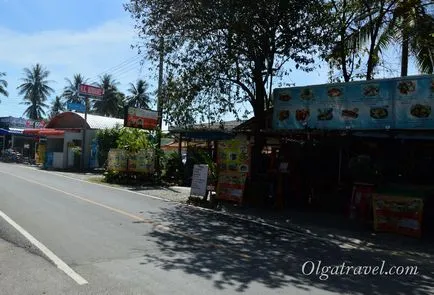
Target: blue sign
{"type": "Point", "coordinates": [401, 103]}
{"type": "Point", "coordinates": [74, 106]}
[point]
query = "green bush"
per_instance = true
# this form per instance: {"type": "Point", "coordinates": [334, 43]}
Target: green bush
{"type": "Point", "coordinates": [107, 139]}
{"type": "Point", "coordinates": [174, 168]}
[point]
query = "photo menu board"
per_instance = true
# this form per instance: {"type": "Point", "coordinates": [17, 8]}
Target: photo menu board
{"type": "Point", "coordinates": [414, 103]}
{"type": "Point", "coordinates": [233, 162]}
{"type": "Point", "coordinates": [404, 103]}
{"type": "Point", "coordinates": [369, 105]}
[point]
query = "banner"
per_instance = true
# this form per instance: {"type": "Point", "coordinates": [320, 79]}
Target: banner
{"type": "Point", "coordinates": [120, 160]}
{"type": "Point", "coordinates": [139, 118]}
{"type": "Point", "coordinates": [398, 214]}
{"type": "Point", "coordinates": [414, 103]}
{"type": "Point", "coordinates": [143, 161]}
{"type": "Point", "coordinates": [117, 160]}
{"type": "Point", "coordinates": [233, 161]}
{"type": "Point", "coordinates": [402, 103]}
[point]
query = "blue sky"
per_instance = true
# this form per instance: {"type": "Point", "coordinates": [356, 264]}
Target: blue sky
{"type": "Point", "coordinates": [91, 37]}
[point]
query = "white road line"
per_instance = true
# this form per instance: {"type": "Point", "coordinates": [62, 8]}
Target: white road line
{"type": "Point", "coordinates": [278, 227]}
{"type": "Point", "coordinates": [102, 185]}
{"type": "Point", "coordinates": [56, 260]}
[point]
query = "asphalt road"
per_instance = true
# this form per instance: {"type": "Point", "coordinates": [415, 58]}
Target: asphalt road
{"type": "Point", "coordinates": [123, 242]}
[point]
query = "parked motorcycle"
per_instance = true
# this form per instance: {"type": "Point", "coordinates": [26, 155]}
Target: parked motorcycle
{"type": "Point", "coordinates": [11, 156]}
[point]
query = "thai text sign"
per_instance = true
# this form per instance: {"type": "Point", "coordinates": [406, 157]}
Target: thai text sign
{"type": "Point", "coordinates": [90, 90]}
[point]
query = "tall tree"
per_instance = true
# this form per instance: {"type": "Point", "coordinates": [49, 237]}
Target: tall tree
{"type": "Point", "coordinates": [372, 26]}
{"type": "Point", "coordinates": [70, 92]}
{"type": "Point", "coordinates": [226, 50]}
{"type": "Point", "coordinates": [344, 56]}
{"type": "Point", "coordinates": [35, 91]}
{"type": "Point", "coordinates": [139, 96]}
{"type": "Point", "coordinates": [57, 107]}
{"type": "Point", "coordinates": [413, 22]}
{"type": "Point", "coordinates": [111, 103]}
{"type": "Point", "coordinates": [3, 85]}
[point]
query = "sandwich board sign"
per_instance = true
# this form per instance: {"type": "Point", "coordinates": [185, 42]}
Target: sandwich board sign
{"type": "Point", "coordinates": [199, 180]}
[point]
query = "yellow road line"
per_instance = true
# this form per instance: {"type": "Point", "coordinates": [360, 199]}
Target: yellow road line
{"type": "Point", "coordinates": [119, 211]}
{"type": "Point", "coordinates": [132, 216]}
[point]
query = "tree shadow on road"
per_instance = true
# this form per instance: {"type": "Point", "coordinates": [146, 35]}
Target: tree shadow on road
{"type": "Point", "coordinates": [233, 254]}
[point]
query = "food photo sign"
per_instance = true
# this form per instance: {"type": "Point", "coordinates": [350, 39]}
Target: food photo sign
{"type": "Point", "coordinates": [414, 103]}
{"type": "Point", "coordinates": [404, 103]}
{"type": "Point", "coordinates": [233, 167]}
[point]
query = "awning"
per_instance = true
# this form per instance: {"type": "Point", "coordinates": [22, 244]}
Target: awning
{"type": "Point", "coordinates": [11, 131]}
{"type": "Point", "coordinates": [44, 132]}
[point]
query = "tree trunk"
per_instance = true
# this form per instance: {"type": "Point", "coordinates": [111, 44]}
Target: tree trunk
{"type": "Point", "coordinates": [259, 123]}
{"type": "Point", "coordinates": [404, 54]}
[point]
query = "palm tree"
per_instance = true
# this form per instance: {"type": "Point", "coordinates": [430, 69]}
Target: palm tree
{"type": "Point", "coordinates": [70, 92]}
{"type": "Point", "coordinates": [386, 21]}
{"type": "Point", "coordinates": [35, 91]}
{"type": "Point", "coordinates": [111, 102]}
{"type": "Point", "coordinates": [3, 85]}
{"type": "Point", "coordinates": [57, 106]}
{"type": "Point", "coordinates": [413, 25]}
{"type": "Point", "coordinates": [139, 97]}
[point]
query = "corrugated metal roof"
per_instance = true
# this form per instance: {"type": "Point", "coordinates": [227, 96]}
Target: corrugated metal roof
{"type": "Point", "coordinates": [101, 122]}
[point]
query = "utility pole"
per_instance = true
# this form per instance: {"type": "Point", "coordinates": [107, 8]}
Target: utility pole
{"type": "Point", "coordinates": [160, 106]}
{"type": "Point", "coordinates": [83, 142]}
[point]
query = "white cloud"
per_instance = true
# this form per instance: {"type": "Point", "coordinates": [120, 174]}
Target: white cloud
{"type": "Point", "coordinates": [64, 53]}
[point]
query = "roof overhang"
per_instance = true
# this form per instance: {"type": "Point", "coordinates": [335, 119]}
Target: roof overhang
{"type": "Point", "coordinates": [44, 132]}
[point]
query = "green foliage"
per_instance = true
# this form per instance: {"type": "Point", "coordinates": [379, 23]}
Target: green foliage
{"type": "Point", "coordinates": [111, 103]}
{"type": "Point", "coordinates": [35, 91]}
{"type": "Point", "coordinates": [107, 139]}
{"type": "Point", "coordinates": [3, 85]}
{"type": "Point", "coordinates": [365, 29]}
{"type": "Point", "coordinates": [70, 92]}
{"type": "Point", "coordinates": [174, 168]}
{"type": "Point", "coordinates": [133, 139]}
{"type": "Point", "coordinates": [139, 96]}
{"type": "Point", "coordinates": [57, 107]}
{"type": "Point", "coordinates": [219, 54]}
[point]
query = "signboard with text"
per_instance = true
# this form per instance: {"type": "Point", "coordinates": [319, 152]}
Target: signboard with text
{"type": "Point", "coordinates": [233, 161]}
{"type": "Point", "coordinates": [399, 103]}
{"type": "Point", "coordinates": [90, 90]}
{"type": "Point", "coordinates": [199, 180]}
{"type": "Point", "coordinates": [400, 215]}
{"type": "Point", "coordinates": [74, 106]}
{"type": "Point", "coordinates": [140, 118]}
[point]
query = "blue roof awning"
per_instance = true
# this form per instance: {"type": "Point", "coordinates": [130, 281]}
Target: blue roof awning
{"type": "Point", "coordinates": [12, 132]}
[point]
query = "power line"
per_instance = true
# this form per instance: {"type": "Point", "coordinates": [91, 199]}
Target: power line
{"type": "Point", "coordinates": [119, 67]}
{"type": "Point", "coordinates": [116, 66]}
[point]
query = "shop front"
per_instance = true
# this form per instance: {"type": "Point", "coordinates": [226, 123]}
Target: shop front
{"type": "Point", "coordinates": [364, 148]}
{"type": "Point", "coordinates": [63, 140]}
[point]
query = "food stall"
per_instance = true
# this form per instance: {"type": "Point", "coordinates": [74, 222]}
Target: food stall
{"type": "Point", "coordinates": [383, 111]}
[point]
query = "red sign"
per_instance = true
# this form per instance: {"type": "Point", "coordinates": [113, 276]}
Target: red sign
{"type": "Point", "coordinates": [139, 118]}
{"type": "Point", "coordinates": [90, 90]}
{"type": "Point", "coordinates": [401, 215]}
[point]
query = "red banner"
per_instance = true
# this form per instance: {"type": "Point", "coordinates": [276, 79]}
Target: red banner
{"type": "Point", "coordinates": [90, 90]}
{"type": "Point", "coordinates": [398, 214]}
{"type": "Point", "coordinates": [139, 118]}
